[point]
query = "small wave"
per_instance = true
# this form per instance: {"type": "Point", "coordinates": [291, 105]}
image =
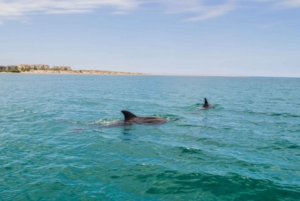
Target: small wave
{"type": "Point", "coordinates": [77, 130]}
{"type": "Point", "coordinates": [276, 146]}
{"type": "Point", "coordinates": [169, 117]}
{"type": "Point", "coordinates": [283, 115]}
{"type": "Point", "coordinates": [189, 125]}
{"type": "Point", "coordinates": [221, 186]}
{"type": "Point", "coordinates": [71, 122]}
{"type": "Point", "coordinates": [105, 121]}
{"type": "Point", "coordinates": [98, 131]}
{"type": "Point", "coordinates": [190, 150]}
{"type": "Point", "coordinates": [273, 114]}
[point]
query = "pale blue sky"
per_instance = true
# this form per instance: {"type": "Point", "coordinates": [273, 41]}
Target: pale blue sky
{"type": "Point", "coordinates": [191, 37]}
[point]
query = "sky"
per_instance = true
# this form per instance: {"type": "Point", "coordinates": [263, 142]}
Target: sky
{"type": "Point", "coordinates": [165, 37]}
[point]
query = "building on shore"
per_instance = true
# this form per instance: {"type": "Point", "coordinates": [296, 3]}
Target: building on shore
{"type": "Point", "coordinates": [61, 68]}
{"type": "Point", "coordinates": [24, 67]}
{"type": "Point", "coordinates": [7, 68]}
{"type": "Point", "coordinates": [28, 67]}
{"type": "Point", "coordinates": [12, 67]}
{"type": "Point", "coordinates": [33, 67]}
{"type": "Point", "coordinates": [40, 67]}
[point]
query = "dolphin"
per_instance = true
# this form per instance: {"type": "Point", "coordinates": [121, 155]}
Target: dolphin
{"type": "Point", "coordinates": [206, 105]}
{"type": "Point", "coordinates": [130, 118]}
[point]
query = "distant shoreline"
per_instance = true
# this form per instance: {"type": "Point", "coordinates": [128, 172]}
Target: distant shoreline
{"type": "Point", "coordinates": [75, 72]}
{"type": "Point", "coordinates": [105, 72]}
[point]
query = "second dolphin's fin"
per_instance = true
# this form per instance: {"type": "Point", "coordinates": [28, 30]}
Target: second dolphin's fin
{"type": "Point", "coordinates": [205, 103]}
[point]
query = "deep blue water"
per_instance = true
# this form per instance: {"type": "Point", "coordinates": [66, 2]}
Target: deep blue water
{"type": "Point", "coordinates": [53, 147]}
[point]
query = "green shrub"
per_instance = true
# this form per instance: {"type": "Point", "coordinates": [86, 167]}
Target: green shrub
{"type": "Point", "coordinates": [15, 71]}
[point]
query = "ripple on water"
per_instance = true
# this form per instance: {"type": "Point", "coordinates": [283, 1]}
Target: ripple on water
{"type": "Point", "coordinates": [53, 145]}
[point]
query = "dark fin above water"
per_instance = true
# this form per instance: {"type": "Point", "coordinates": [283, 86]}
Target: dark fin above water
{"type": "Point", "coordinates": [205, 103]}
{"type": "Point", "coordinates": [128, 115]}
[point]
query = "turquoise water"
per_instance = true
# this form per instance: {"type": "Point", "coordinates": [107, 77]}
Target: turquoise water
{"type": "Point", "coordinates": [53, 145]}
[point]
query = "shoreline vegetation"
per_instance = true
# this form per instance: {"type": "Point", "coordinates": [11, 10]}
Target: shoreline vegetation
{"type": "Point", "coordinates": [73, 72]}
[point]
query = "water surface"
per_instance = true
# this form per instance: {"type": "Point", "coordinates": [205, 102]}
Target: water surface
{"type": "Point", "coordinates": [52, 145]}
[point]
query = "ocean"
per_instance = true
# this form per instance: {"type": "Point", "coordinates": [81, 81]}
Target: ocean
{"type": "Point", "coordinates": [55, 145]}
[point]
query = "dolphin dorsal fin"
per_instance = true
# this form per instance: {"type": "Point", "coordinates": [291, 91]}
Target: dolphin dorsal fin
{"type": "Point", "coordinates": [205, 103]}
{"type": "Point", "coordinates": [128, 115]}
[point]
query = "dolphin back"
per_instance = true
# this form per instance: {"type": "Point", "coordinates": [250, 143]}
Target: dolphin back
{"type": "Point", "coordinates": [128, 115]}
{"type": "Point", "coordinates": [206, 105]}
